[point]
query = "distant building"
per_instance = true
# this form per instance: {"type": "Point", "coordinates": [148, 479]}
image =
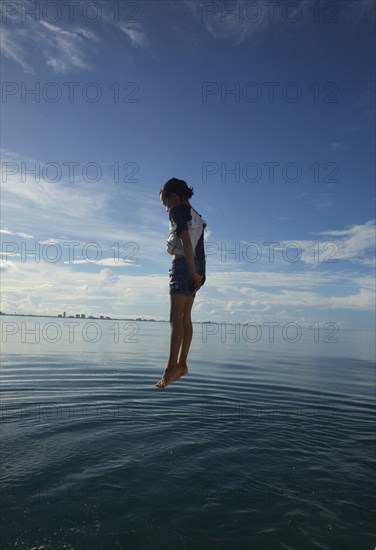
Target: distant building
{"type": "Point", "coordinates": [82, 315]}
{"type": "Point", "coordinates": [101, 317]}
{"type": "Point", "coordinates": [78, 315]}
{"type": "Point", "coordinates": [64, 314]}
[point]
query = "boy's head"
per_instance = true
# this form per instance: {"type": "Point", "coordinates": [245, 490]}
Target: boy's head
{"type": "Point", "coordinates": [175, 190]}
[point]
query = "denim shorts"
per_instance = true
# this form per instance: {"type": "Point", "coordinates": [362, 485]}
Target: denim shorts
{"type": "Point", "coordinates": [180, 281]}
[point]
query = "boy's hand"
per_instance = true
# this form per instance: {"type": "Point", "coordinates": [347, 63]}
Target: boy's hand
{"type": "Point", "coordinates": [197, 281]}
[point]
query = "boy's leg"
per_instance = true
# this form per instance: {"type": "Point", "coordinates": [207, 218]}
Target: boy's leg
{"type": "Point", "coordinates": [187, 337]}
{"type": "Point", "coordinates": [177, 305]}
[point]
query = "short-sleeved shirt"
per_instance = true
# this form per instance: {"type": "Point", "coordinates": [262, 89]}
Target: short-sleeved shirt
{"type": "Point", "coordinates": [183, 217]}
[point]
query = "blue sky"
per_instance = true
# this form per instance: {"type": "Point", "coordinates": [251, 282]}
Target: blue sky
{"type": "Point", "coordinates": [127, 95]}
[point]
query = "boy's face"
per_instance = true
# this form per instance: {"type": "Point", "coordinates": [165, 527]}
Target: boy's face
{"type": "Point", "coordinates": [171, 201]}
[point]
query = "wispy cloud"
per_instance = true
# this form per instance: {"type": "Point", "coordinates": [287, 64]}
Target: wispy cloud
{"type": "Point", "coordinates": [41, 288]}
{"type": "Point", "coordinates": [358, 11]}
{"type": "Point", "coordinates": [339, 146]}
{"type": "Point", "coordinates": [135, 33]}
{"type": "Point", "coordinates": [237, 22]}
{"type": "Point", "coordinates": [82, 212]}
{"type": "Point", "coordinates": [64, 50]}
{"type": "Point", "coordinates": [243, 295]}
{"type": "Point", "coordinates": [355, 245]}
{"type": "Point", "coordinates": [17, 234]}
{"type": "Point", "coordinates": [224, 21]}
{"type": "Point", "coordinates": [323, 200]}
{"type": "Point", "coordinates": [14, 46]}
{"type": "Point", "coordinates": [354, 242]}
{"type": "Point", "coordinates": [113, 262]}
{"type": "Point", "coordinates": [66, 47]}
{"type": "Point", "coordinates": [52, 214]}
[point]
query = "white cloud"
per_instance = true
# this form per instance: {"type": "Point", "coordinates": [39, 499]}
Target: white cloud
{"type": "Point", "coordinates": [356, 11]}
{"type": "Point", "coordinates": [54, 287]}
{"type": "Point", "coordinates": [339, 146]}
{"type": "Point", "coordinates": [64, 49]}
{"type": "Point", "coordinates": [237, 22]}
{"type": "Point", "coordinates": [354, 245]}
{"type": "Point", "coordinates": [226, 20]}
{"type": "Point", "coordinates": [353, 242]}
{"type": "Point", "coordinates": [57, 287]}
{"type": "Point", "coordinates": [11, 42]}
{"type": "Point", "coordinates": [17, 234]}
{"type": "Point", "coordinates": [50, 241]}
{"type": "Point", "coordinates": [84, 213]}
{"type": "Point", "coordinates": [5, 255]}
{"type": "Point", "coordinates": [7, 266]}
{"type": "Point", "coordinates": [106, 261]}
{"type": "Point", "coordinates": [135, 33]}
{"type": "Point", "coordinates": [323, 200]}
{"type": "Point", "coordinates": [54, 213]}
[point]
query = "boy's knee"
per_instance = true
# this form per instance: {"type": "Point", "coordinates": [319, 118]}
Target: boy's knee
{"type": "Point", "coordinates": [176, 317]}
{"type": "Point", "coordinates": [187, 319]}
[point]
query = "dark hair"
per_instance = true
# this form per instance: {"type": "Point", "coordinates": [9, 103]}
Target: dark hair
{"type": "Point", "coordinates": [179, 187]}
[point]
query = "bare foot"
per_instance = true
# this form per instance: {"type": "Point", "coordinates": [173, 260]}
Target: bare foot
{"type": "Point", "coordinates": [182, 370]}
{"type": "Point", "coordinates": [168, 375]}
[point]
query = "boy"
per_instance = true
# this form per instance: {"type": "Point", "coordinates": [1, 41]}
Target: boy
{"type": "Point", "coordinates": [185, 243]}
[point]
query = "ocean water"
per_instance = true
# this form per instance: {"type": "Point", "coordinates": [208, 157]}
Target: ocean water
{"type": "Point", "coordinates": [268, 443]}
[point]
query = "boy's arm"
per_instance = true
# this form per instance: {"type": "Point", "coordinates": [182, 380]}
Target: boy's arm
{"type": "Point", "coordinates": [189, 257]}
{"type": "Point", "coordinates": [188, 253]}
